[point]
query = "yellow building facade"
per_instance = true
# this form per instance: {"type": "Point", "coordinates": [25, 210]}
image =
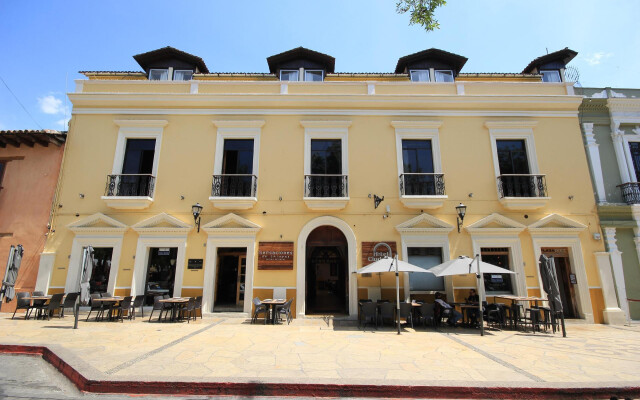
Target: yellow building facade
{"type": "Point", "coordinates": [288, 166]}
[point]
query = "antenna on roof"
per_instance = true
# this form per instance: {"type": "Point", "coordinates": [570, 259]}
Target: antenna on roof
{"type": "Point", "coordinates": [547, 49]}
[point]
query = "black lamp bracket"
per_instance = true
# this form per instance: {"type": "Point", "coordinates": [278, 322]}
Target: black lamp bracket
{"type": "Point", "coordinates": [377, 200]}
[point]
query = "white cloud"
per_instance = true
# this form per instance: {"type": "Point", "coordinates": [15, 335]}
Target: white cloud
{"type": "Point", "coordinates": [63, 123]}
{"type": "Point", "coordinates": [596, 58]}
{"type": "Point", "coordinates": [52, 105]}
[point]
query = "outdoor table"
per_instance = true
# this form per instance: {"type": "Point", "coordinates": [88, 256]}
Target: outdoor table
{"type": "Point", "coordinates": [271, 308]}
{"type": "Point", "coordinates": [175, 302]}
{"type": "Point", "coordinates": [465, 308]}
{"type": "Point", "coordinates": [514, 299]}
{"type": "Point", "coordinates": [42, 300]}
{"type": "Point", "coordinates": [111, 301]}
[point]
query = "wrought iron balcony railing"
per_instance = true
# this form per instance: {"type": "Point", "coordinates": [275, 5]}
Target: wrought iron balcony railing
{"type": "Point", "coordinates": [134, 185]}
{"type": "Point", "coordinates": [234, 185]}
{"type": "Point", "coordinates": [514, 185]}
{"type": "Point", "coordinates": [420, 184]}
{"type": "Point", "coordinates": [630, 192]}
{"type": "Point", "coordinates": [326, 186]}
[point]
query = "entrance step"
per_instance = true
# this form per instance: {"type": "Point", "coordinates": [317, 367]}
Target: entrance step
{"type": "Point", "coordinates": [227, 314]}
{"type": "Point", "coordinates": [326, 321]}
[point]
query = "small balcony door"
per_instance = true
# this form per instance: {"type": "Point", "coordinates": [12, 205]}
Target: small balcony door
{"type": "Point", "coordinates": [237, 179]}
{"type": "Point", "coordinates": [136, 178]}
{"type": "Point", "coordinates": [631, 190]}
{"type": "Point", "coordinates": [326, 178]}
{"type": "Point", "coordinates": [418, 178]}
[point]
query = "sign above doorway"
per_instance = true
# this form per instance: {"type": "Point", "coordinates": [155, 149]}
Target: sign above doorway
{"type": "Point", "coordinates": [275, 255]}
{"type": "Point", "coordinates": [368, 256]}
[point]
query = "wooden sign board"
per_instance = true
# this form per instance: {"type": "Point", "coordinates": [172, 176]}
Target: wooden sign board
{"type": "Point", "coordinates": [367, 252]}
{"type": "Point", "coordinates": [275, 255]}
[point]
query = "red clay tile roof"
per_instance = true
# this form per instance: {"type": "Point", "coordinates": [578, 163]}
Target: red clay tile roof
{"type": "Point", "coordinates": [32, 137]}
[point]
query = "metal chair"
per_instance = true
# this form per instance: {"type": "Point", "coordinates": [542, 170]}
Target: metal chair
{"type": "Point", "coordinates": [285, 310]}
{"type": "Point", "coordinates": [259, 308]}
{"type": "Point", "coordinates": [198, 306]}
{"type": "Point", "coordinates": [406, 312]}
{"type": "Point", "coordinates": [23, 304]}
{"type": "Point", "coordinates": [125, 305]}
{"type": "Point", "coordinates": [189, 310]}
{"type": "Point", "coordinates": [157, 306]}
{"type": "Point", "coordinates": [368, 312]}
{"type": "Point", "coordinates": [387, 312]}
{"type": "Point", "coordinates": [69, 302]}
{"type": "Point", "coordinates": [138, 301]}
{"type": "Point", "coordinates": [95, 306]}
{"type": "Point", "coordinates": [54, 304]}
{"type": "Point", "coordinates": [427, 314]}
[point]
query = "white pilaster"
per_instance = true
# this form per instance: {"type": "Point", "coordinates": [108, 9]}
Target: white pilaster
{"type": "Point", "coordinates": [616, 265]}
{"type": "Point", "coordinates": [594, 157]}
{"type": "Point", "coordinates": [44, 271]}
{"type": "Point", "coordinates": [618, 147]}
{"type": "Point", "coordinates": [612, 314]}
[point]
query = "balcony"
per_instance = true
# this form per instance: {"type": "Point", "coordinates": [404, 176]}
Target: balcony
{"type": "Point", "coordinates": [630, 192]}
{"type": "Point", "coordinates": [129, 191]}
{"type": "Point", "coordinates": [418, 190]}
{"type": "Point", "coordinates": [234, 191]}
{"type": "Point", "coordinates": [326, 192]}
{"type": "Point", "coordinates": [522, 191]}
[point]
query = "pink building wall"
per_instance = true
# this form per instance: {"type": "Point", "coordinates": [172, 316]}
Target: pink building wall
{"type": "Point", "coordinates": [28, 187]}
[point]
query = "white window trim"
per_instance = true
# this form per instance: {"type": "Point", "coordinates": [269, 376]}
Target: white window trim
{"type": "Point", "coordinates": [237, 130]}
{"type": "Point", "coordinates": [326, 130]}
{"type": "Point", "coordinates": [411, 71]}
{"type": "Point", "coordinates": [552, 70]}
{"type": "Point", "coordinates": [519, 281]}
{"type": "Point", "coordinates": [169, 73]}
{"type": "Point", "coordinates": [145, 243]}
{"type": "Point", "coordinates": [182, 70]}
{"type": "Point", "coordinates": [313, 70]}
{"type": "Point", "coordinates": [289, 70]}
{"type": "Point", "coordinates": [627, 155]}
{"type": "Point", "coordinates": [79, 243]}
{"type": "Point", "coordinates": [440, 240]}
{"type": "Point", "coordinates": [138, 129]}
{"type": "Point", "coordinates": [444, 70]}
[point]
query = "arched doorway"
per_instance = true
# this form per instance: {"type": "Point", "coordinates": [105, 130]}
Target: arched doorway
{"type": "Point", "coordinates": [327, 272]}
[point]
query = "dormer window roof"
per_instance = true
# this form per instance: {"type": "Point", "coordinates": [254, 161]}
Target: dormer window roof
{"type": "Point", "coordinates": [314, 65]}
{"type": "Point", "coordinates": [436, 59]}
{"type": "Point", "coordinates": [555, 61]}
{"type": "Point", "coordinates": [169, 57]}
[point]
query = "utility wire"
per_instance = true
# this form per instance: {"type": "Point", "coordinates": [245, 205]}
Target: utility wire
{"type": "Point", "coordinates": [21, 105]}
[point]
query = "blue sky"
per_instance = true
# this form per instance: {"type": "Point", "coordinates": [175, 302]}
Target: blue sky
{"type": "Point", "coordinates": [45, 43]}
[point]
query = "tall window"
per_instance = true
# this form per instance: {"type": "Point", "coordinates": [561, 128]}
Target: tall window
{"type": "Point", "coordinates": [425, 257]}
{"type": "Point", "coordinates": [326, 156]}
{"type": "Point", "coordinates": [419, 75]}
{"type": "Point", "coordinates": [634, 148]}
{"type": "Point", "coordinates": [551, 76]}
{"type": "Point", "coordinates": [514, 169]}
{"type": "Point", "coordinates": [237, 168]}
{"type": "Point", "coordinates": [497, 283]}
{"type": "Point", "coordinates": [417, 159]}
{"type": "Point", "coordinates": [137, 168]}
{"type": "Point", "coordinates": [101, 270]}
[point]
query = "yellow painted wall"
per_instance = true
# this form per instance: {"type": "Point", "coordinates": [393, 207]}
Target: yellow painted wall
{"type": "Point", "coordinates": [187, 160]}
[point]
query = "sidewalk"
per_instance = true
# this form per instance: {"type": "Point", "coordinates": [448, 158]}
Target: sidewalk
{"type": "Point", "coordinates": [205, 353]}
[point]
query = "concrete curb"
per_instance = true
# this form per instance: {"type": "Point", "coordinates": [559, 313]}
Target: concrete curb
{"type": "Point", "coordinates": [314, 390]}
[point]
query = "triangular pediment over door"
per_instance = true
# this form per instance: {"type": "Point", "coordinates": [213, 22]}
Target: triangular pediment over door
{"type": "Point", "coordinates": [495, 223]}
{"type": "Point", "coordinates": [162, 223]}
{"type": "Point", "coordinates": [97, 223]}
{"type": "Point", "coordinates": [424, 224]}
{"type": "Point", "coordinates": [556, 224]}
{"type": "Point", "coordinates": [231, 224]}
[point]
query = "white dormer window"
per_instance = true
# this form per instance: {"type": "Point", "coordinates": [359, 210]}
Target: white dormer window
{"type": "Point", "coordinates": [289, 74]}
{"type": "Point", "coordinates": [444, 75]}
{"type": "Point", "coordinates": [159, 75]}
{"type": "Point", "coordinates": [314, 75]}
{"type": "Point", "coordinates": [182, 75]}
{"type": "Point", "coordinates": [551, 76]}
{"type": "Point", "coordinates": [419, 75]}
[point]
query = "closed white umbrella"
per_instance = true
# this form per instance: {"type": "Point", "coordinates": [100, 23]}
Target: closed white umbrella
{"type": "Point", "coordinates": [391, 265]}
{"type": "Point", "coordinates": [11, 273]}
{"type": "Point", "coordinates": [464, 265]}
{"type": "Point", "coordinates": [85, 277]}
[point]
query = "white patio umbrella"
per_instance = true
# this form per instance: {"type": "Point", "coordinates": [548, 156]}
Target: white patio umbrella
{"type": "Point", "coordinates": [86, 269]}
{"type": "Point", "coordinates": [387, 264]}
{"type": "Point", "coordinates": [464, 265]}
{"type": "Point", "coordinates": [11, 273]}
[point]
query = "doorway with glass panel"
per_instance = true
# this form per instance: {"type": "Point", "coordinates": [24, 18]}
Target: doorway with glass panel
{"type": "Point", "coordinates": [229, 282]}
{"type": "Point", "coordinates": [161, 272]}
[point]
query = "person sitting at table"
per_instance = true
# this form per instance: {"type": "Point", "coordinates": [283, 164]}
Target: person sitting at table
{"type": "Point", "coordinates": [472, 313]}
{"type": "Point", "coordinates": [446, 309]}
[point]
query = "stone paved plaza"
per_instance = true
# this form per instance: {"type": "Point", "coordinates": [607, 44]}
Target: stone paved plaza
{"type": "Point", "coordinates": [219, 348]}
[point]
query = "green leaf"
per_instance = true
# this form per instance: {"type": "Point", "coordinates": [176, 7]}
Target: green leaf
{"type": "Point", "coordinates": [421, 11]}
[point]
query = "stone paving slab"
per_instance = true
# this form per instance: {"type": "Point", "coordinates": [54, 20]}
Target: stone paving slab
{"type": "Point", "coordinates": [219, 349]}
